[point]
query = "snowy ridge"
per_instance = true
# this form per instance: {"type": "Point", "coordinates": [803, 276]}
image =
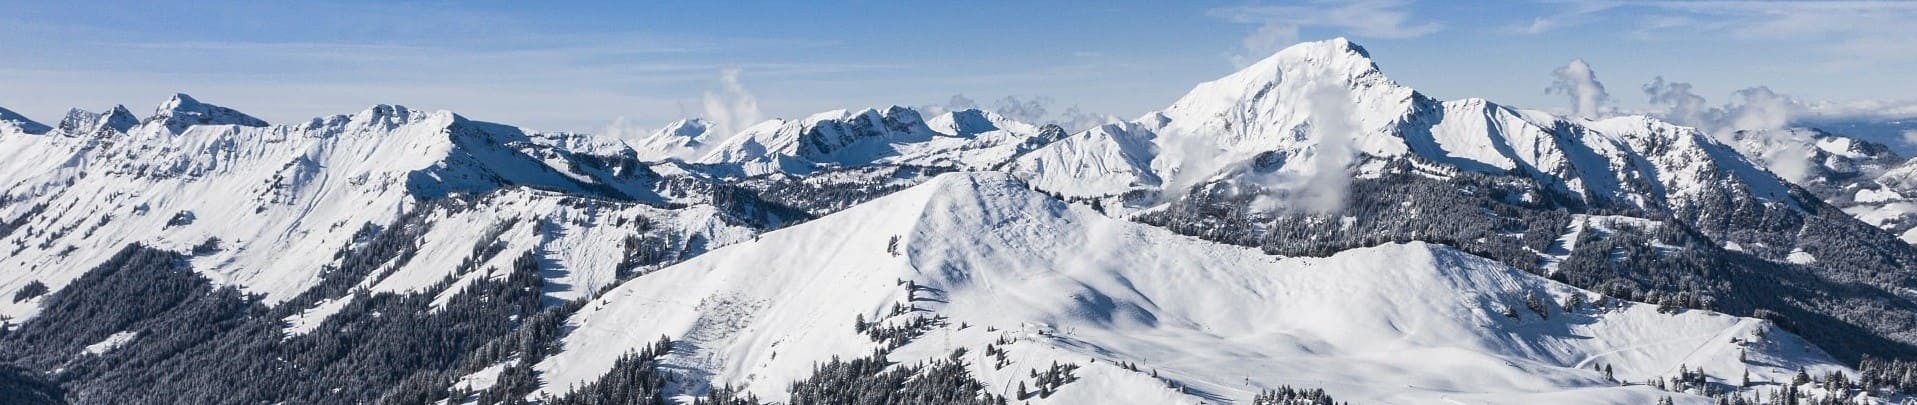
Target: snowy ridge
{"type": "Point", "coordinates": [682, 139]}
{"type": "Point", "coordinates": [967, 139]}
{"type": "Point", "coordinates": [1395, 323]}
{"type": "Point", "coordinates": [14, 122]}
{"type": "Point", "coordinates": [83, 123]}
{"type": "Point", "coordinates": [182, 111]}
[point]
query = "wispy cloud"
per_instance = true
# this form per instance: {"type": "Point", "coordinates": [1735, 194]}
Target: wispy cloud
{"type": "Point", "coordinates": [1574, 13]}
{"type": "Point", "coordinates": [1279, 25]}
{"type": "Point", "coordinates": [1852, 33]}
{"type": "Point", "coordinates": [732, 108]}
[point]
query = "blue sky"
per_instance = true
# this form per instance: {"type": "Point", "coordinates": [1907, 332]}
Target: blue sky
{"type": "Point", "coordinates": [580, 66]}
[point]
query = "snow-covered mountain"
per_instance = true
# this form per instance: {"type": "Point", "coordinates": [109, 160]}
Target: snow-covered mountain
{"type": "Point", "coordinates": [1867, 180]}
{"type": "Point", "coordinates": [182, 111]}
{"type": "Point", "coordinates": [1888, 200]}
{"type": "Point", "coordinates": [967, 139]}
{"type": "Point", "coordinates": [1305, 222]}
{"type": "Point", "coordinates": [1327, 100]}
{"type": "Point", "coordinates": [682, 139]}
{"type": "Point", "coordinates": [1147, 315]}
{"type": "Point", "coordinates": [280, 201]}
{"type": "Point", "coordinates": [82, 122]}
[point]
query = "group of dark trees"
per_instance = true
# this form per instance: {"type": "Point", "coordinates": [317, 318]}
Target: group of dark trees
{"type": "Point", "coordinates": [1898, 374]}
{"type": "Point", "coordinates": [833, 189]}
{"type": "Point", "coordinates": [24, 387]}
{"type": "Point", "coordinates": [1048, 381]}
{"type": "Point", "coordinates": [635, 379]}
{"type": "Point", "coordinates": [873, 380]}
{"type": "Point", "coordinates": [1293, 396]}
{"type": "Point", "coordinates": [33, 289]}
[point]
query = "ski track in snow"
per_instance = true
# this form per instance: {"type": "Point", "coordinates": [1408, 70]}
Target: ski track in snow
{"type": "Point", "coordinates": [1593, 357]}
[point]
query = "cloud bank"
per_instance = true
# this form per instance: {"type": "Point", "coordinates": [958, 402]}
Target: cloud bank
{"type": "Point", "coordinates": [1754, 123]}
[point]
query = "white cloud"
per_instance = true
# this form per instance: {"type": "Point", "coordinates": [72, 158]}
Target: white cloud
{"type": "Point", "coordinates": [731, 109]}
{"type": "Point", "coordinates": [1753, 123]}
{"type": "Point", "coordinates": [1861, 110]}
{"type": "Point", "coordinates": [1279, 25]}
{"type": "Point", "coordinates": [1579, 82]}
{"type": "Point", "coordinates": [1324, 189]}
{"type": "Point", "coordinates": [1322, 184]}
{"type": "Point", "coordinates": [1910, 137]}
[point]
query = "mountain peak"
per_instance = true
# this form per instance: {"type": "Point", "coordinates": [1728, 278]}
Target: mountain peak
{"type": "Point", "coordinates": [686, 128]}
{"type": "Point", "coordinates": [82, 122]}
{"type": "Point", "coordinates": [181, 111]}
{"type": "Point", "coordinates": [967, 122]}
{"type": "Point", "coordinates": [1336, 55]}
{"type": "Point", "coordinates": [682, 139]}
{"type": "Point", "coordinates": [177, 101]}
{"type": "Point", "coordinates": [895, 117]}
{"type": "Point", "coordinates": [1287, 102]}
{"type": "Point", "coordinates": [390, 115]}
{"type": "Point", "coordinates": [1284, 79]}
{"type": "Point", "coordinates": [1337, 45]}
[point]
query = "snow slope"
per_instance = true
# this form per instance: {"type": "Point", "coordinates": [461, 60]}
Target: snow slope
{"type": "Point", "coordinates": [1400, 323]}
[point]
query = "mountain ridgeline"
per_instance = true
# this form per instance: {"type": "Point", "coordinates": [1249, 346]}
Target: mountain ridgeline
{"type": "Point", "coordinates": [1301, 230]}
